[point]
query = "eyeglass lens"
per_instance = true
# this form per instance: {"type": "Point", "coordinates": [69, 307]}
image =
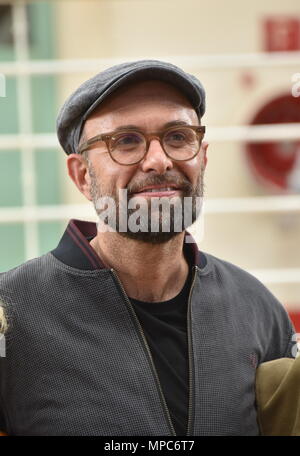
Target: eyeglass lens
{"type": "Point", "coordinates": [179, 143]}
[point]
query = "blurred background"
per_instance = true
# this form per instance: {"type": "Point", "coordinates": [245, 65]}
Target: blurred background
{"type": "Point", "coordinates": [247, 55]}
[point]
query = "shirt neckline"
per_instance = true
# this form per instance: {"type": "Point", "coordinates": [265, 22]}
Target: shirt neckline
{"type": "Point", "coordinates": [75, 250]}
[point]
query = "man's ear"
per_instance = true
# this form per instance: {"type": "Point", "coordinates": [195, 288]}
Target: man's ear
{"type": "Point", "coordinates": [78, 172]}
{"type": "Point", "coordinates": [204, 147]}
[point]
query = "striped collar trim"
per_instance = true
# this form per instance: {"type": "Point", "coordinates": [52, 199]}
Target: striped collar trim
{"type": "Point", "coordinates": [74, 248]}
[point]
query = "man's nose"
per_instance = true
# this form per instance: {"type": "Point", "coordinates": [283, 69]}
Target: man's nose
{"type": "Point", "coordinates": [156, 159]}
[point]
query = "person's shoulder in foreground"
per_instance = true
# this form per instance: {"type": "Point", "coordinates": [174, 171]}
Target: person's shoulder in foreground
{"type": "Point", "coordinates": [278, 397]}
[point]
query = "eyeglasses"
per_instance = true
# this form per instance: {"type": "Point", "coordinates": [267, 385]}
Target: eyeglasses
{"type": "Point", "coordinates": [129, 146]}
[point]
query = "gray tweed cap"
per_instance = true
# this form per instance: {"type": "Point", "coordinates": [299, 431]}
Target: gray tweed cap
{"type": "Point", "coordinates": [92, 92]}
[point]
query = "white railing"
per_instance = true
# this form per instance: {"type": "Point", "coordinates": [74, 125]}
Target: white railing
{"type": "Point", "coordinates": [254, 133]}
{"type": "Point", "coordinates": [26, 141]}
{"type": "Point", "coordinates": [212, 206]}
{"type": "Point", "coordinates": [250, 60]}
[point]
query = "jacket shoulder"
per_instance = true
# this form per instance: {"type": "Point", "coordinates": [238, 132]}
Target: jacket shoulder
{"type": "Point", "coordinates": [29, 275]}
{"type": "Point", "coordinates": [255, 303]}
{"type": "Point", "coordinates": [226, 272]}
{"type": "Point", "coordinates": [24, 270]}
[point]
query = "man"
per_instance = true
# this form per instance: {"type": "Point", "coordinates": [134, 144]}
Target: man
{"type": "Point", "coordinates": [127, 328]}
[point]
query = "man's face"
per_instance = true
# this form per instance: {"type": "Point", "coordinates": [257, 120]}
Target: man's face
{"type": "Point", "coordinates": [148, 106]}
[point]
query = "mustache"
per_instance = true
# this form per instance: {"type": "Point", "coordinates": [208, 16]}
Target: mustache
{"type": "Point", "coordinates": [181, 182]}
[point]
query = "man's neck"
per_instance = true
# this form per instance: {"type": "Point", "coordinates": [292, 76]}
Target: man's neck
{"type": "Point", "coordinates": [148, 272]}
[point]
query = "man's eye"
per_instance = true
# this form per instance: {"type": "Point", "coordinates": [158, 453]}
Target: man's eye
{"type": "Point", "coordinates": [176, 137]}
{"type": "Point", "coordinates": [127, 140]}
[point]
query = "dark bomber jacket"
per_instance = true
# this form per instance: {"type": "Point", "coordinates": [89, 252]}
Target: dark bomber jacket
{"type": "Point", "coordinates": [77, 361]}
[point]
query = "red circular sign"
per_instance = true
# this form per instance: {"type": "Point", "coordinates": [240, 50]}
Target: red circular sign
{"type": "Point", "coordinates": [277, 164]}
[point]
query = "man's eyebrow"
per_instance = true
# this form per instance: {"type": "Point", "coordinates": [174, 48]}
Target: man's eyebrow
{"type": "Point", "coordinates": [173, 123]}
{"type": "Point", "coordinates": [126, 127]}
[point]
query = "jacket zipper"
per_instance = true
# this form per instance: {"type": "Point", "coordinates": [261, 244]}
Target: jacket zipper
{"type": "Point", "coordinates": [141, 332]}
{"type": "Point", "coordinates": [191, 358]}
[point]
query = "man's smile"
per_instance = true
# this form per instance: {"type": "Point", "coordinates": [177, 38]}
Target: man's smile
{"type": "Point", "coordinates": [159, 190]}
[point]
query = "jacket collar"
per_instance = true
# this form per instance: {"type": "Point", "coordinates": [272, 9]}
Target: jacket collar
{"type": "Point", "coordinates": [75, 250]}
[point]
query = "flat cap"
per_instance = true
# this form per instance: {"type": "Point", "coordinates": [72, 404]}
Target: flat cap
{"type": "Point", "coordinates": [92, 92]}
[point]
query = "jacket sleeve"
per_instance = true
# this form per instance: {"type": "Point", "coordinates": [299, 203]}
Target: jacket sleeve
{"type": "Point", "coordinates": [292, 347]}
{"type": "Point", "coordinates": [278, 397]}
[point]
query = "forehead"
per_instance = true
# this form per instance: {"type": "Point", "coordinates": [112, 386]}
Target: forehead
{"type": "Point", "coordinates": [142, 97]}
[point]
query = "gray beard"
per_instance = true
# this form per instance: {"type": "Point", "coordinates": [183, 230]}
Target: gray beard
{"type": "Point", "coordinates": [150, 226]}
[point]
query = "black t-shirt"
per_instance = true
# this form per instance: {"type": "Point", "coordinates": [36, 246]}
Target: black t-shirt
{"type": "Point", "coordinates": [165, 327]}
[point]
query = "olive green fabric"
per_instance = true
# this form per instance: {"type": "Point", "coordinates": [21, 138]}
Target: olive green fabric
{"type": "Point", "coordinates": [278, 397]}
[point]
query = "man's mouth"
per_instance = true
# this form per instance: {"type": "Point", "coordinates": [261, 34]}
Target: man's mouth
{"type": "Point", "coordinates": [158, 190]}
